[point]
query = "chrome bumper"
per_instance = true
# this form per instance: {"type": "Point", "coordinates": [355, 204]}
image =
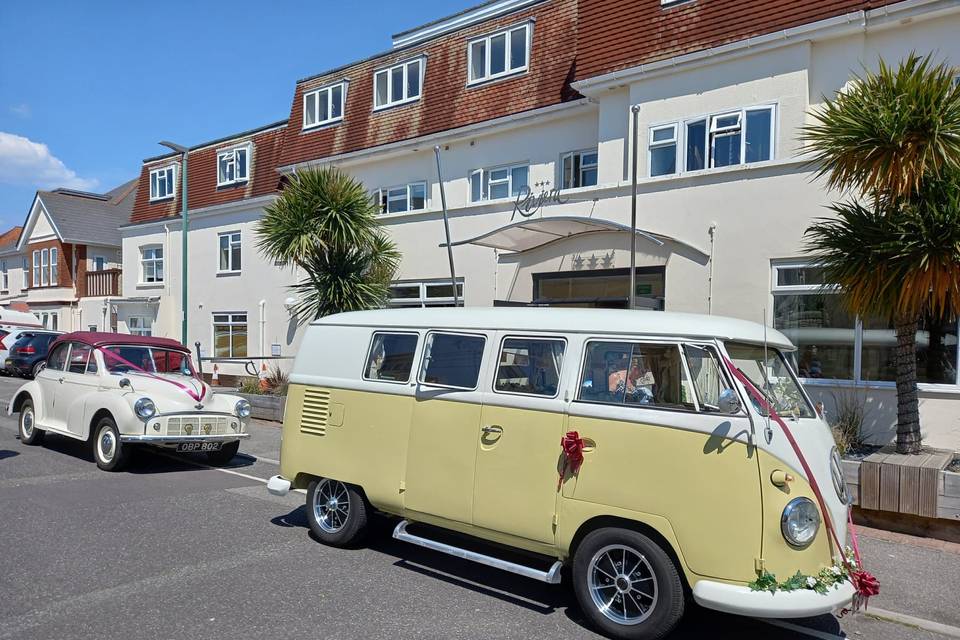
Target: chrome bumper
{"type": "Point", "coordinates": [162, 439]}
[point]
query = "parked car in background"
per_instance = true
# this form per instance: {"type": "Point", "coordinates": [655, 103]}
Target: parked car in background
{"type": "Point", "coordinates": [117, 391]}
{"type": "Point", "coordinates": [28, 353]}
{"type": "Point", "coordinates": [9, 336]}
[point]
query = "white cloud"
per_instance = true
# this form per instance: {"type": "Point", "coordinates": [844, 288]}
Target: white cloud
{"type": "Point", "coordinates": [22, 110]}
{"type": "Point", "coordinates": [25, 162]}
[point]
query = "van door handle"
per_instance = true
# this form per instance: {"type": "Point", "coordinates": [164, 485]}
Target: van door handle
{"type": "Point", "coordinates": [493, 428]}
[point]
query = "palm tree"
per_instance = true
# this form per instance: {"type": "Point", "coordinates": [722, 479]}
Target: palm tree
{"type": "Point", "coordinates": [325, 223]}
{"type": "Point", "coordinates": [892, 142]}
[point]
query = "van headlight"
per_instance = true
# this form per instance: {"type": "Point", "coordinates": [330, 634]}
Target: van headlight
{"type": "Point", "coordinates": [800, 522]}
{"type": "Point", "coordinates": [242, 408]}
{"type": "Point", "coordinates": [145, 408]}
{"type": "Point", "coordinates": [836, 473]}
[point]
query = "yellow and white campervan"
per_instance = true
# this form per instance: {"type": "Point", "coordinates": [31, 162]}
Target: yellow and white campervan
{"type": "Point", "coordinates": [453, 419]}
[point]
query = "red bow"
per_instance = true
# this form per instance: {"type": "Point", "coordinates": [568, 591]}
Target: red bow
{"type": "Point", "coordinates": [865, 584]}
{"type": "Point", "coordinates": [572, 445]}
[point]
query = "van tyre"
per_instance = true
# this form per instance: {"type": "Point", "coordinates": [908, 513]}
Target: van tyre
{"type": "Point", "coordinates": [337, 512]}
{"type": "Point", "coordinates": [108, 451]}
{"type": "Point", "coordinates": [224, 455]}
{"type": "Point", "coordinates": [627, 585]}
{"type": "Point", "coordinates": [29, 432]}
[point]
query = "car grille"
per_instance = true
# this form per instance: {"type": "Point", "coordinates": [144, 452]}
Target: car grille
{"type": "Point", "coordinates": [197, 426]}
{"type": "Point", "coordinates": [316, 412]}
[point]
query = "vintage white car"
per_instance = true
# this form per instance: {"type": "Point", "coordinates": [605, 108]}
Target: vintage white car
{"type": "Point", "coordinates": [116, 391]}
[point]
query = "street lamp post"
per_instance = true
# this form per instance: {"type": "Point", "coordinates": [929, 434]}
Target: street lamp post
{"type": "Point", "coordinates": [184, 228]}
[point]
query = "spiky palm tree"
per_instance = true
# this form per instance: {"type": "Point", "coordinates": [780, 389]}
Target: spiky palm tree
{"type": "Point", "coordinates": [325, 222]}
{"type": "Point", "coordinates": [892, 140]}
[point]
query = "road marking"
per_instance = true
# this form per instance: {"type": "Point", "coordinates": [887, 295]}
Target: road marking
{"type": "Point", "coordinates": [789, 626]}
{"type": "Point", "coordinates": [910, 621]}
{"type": "Point", "coordinates": [220, 469]}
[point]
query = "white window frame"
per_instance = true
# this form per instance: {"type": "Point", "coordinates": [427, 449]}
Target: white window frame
{"type": "Point", "coordinates": [858, 381]}
{"type": "Point", "coordinates": [583, 166]}
{"type": "Point", "coordinates": [486, 182]}
{"type": "Point", "coordinates": [709, 142]}
{"type": "Point", "coordinates": [328, 97]}
{"type": "Point", "coordinates": [653, 146]}
{"type": "Point", "coordinates": [153, 261]}
{"type": "Point", "coordinates": [424, 298]}
{"type": "Point", "coordinates": [35, 272]}
{"type": "Point", "coordinates": [231, 322]}
{"type": "Point", "coordinates": [44, 267]}
{"type": "Point", "coordinates": [4, 276]}
{"type": "Point", "coordinates": [232, 156]}
{"type": "Point", "coordinates": [169, 180]}
{"type": "Point", "coordinates": [231, 243]}
{"type": "Point", "coordinates": [54, 267]}
{"type": "Point", "coordinates": [507, 71]}
{"type": "Point", "coordinates": [50, 320]}
{"type": "Point", "coordinates": [140, 326]}
{"type": "Point", "coordinates": [102, 266]}
{"type": "Point", "coordinates": [385, 197]}
{"type": "Point", "coordinates": [388, 71]}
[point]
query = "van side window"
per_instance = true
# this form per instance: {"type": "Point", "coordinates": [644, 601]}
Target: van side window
{"type": "Point", "coordinates": [452, 360]}
{"type": "Point", "coordinates": [391, 357]}
{"type": "Point", "coordinates": [708, 378]}
{"type": "Point", "coordinates": [530, 366]}
{"type": "Point", "coordinates": [650, 375]}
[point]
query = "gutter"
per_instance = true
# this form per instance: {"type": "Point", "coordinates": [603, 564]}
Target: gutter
{"type": "Point", "coordinates": [226, 207]}
{"type": "Point", "coordinates": [847, 24]}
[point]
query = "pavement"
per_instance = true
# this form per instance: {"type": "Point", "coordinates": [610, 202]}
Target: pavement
{"type": "Point", "coordinates": [173, 548]}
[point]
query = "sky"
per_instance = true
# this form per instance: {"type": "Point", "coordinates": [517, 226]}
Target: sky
{"type": "Point", "coordinates": [87, 89]}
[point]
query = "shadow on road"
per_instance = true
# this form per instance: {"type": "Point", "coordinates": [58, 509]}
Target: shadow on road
{"type": "Point", "coordinates": [6, 453]}
{"type": "Point", "coordinates": [543, 598]}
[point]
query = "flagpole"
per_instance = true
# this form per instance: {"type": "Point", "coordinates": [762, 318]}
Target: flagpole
{"type": "Point", "coordinates": [635, 110]}
{"type": "Point", "coordinates": [446, 228]}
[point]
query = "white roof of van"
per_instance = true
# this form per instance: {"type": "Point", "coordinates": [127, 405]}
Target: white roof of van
{"type": "Point", "coordinates": [563, 320]}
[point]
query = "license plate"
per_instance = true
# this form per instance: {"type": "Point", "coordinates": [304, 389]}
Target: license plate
{"type": "Point", "coordinates": [199, 446]}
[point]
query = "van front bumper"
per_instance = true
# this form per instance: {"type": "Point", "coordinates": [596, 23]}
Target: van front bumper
{"type": "Point", "coordinates": [742, 601]}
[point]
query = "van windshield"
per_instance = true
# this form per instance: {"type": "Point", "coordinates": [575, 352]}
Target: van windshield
{"type": "Point", "coordinates": [769, 372]}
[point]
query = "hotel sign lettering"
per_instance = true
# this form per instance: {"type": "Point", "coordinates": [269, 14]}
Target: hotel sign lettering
{"type": "Point", "coordinates": [529, 203]}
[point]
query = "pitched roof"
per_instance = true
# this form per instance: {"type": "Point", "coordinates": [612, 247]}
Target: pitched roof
{"type": "Point", "coordinates": [90, 218]}
{"type": "Point", "coordinates": [9, 238]}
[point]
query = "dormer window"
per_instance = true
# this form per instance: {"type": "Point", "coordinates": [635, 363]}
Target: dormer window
{"type": "Point", "coordinates": [499, 54]}
{"type": "Point", "coordinates": [398, 84]}
{"type": "Point", "coordinates": [163, 183]}
{"type": "Point", "coordinates": [324, 106]}
{"type": "Point", "coordinates": [233, 166]}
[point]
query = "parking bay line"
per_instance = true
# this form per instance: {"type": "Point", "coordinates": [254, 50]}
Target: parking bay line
{"type": "Point", "coordinates": [212, 468]}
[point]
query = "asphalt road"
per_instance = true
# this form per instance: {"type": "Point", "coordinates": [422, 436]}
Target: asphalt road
{"type": "Point", "coordinates": [172, 549]}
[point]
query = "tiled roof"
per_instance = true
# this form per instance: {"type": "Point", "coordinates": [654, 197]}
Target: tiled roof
{"type": "Point", "coordinates": [9, 237]}
{"type": "Point", "coordinates": [89, 218]}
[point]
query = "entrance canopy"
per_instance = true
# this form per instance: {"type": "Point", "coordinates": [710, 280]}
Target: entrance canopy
{"type": "Point", "coordinates": [534, 232]}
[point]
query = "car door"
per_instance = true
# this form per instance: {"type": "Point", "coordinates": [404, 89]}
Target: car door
{"type": "Point", "coordinates": [76, 384]}
{"type": "Point", "coordinates": [441, 450]}
{"type": "Point", "coordinates": [654, 447]}
{"type": "Point", "coordinates": [518, 442]}
{"type": "Point", "coordinates": [50, 379]}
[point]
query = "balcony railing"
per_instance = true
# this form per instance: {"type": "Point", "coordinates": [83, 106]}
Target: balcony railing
{"type": "Point", "coordinates": [105, 282]}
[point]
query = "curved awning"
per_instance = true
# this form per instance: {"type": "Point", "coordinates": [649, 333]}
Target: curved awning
{"type": "Point", "coordinates": [534, 232]}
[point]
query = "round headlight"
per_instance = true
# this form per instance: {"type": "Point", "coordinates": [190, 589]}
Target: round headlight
{"type": "Point", "coordinates": [243, 408]}
{"type": "Point", "coordinates": [800, 522]}
{"type": "Point", "coordinates": [145, 408]}
{"type": "Point", "coordinates": [836, 473]}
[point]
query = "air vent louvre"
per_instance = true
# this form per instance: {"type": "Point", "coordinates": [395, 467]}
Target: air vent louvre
{"type": "Point", "coordinates": [316, 412]}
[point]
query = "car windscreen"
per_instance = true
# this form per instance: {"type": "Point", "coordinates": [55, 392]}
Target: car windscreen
{"type": "Point", "coordinates": [768, 370]}
{"type": "Point", "coordinates": [133, 358]}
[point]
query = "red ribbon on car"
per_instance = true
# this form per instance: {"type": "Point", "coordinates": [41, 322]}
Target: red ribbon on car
{"type": "Point", "coordinates": [572, 445]}
{"type": "Point", "coordinates": [864, 583]}
{"type": "Point", "coordinates": [190, 392]}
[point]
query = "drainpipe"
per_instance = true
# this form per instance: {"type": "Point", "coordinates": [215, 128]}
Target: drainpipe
{"type": "Point", "coordinates": [635, 139]}
{"type": "Point", "coordinates": [713, 240]}
{"type": "Point", "coordinates": [263, 323]}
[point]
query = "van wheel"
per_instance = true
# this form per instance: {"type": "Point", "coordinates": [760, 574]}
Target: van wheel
{"type": "Point", "coordinates": [626, 585]}
{"type": "Point", "coordinates": [108, 451]}
{"type": "Point", "coordinates": [29, 432]}
{"type": "Point", "coordinates": [337, 512]}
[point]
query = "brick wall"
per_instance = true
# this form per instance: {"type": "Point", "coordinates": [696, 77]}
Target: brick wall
{"type": "Point", "coordinates": [64, 256]}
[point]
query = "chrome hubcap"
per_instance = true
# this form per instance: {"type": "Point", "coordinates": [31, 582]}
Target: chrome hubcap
{"type": "Point", "coordinates": [107, 445]}
{"type": "Point", "coordinates": [622, 584]}
{"type": "Point", "coordinates": [331, 505]}
{"type": "Point", "coordinates": [27, 423]}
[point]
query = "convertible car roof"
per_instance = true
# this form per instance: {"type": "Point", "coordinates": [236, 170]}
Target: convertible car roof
{"type": "Point", "coordinates": [101, 339]}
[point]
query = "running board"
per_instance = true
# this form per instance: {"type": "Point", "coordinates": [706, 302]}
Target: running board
{"type": "Point", "coordinates": [550, 577]}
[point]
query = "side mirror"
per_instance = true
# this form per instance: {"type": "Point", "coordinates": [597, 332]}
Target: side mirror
{"type": "Point", "coordinates": [125, 382]}
{"type": "Point", "coordinates": [729, 401]}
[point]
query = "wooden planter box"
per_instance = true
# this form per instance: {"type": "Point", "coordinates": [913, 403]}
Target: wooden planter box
{"type": "Point", "coordinates": [904, 488]}
{"type": "Point", "coordinates": [264, 407]}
